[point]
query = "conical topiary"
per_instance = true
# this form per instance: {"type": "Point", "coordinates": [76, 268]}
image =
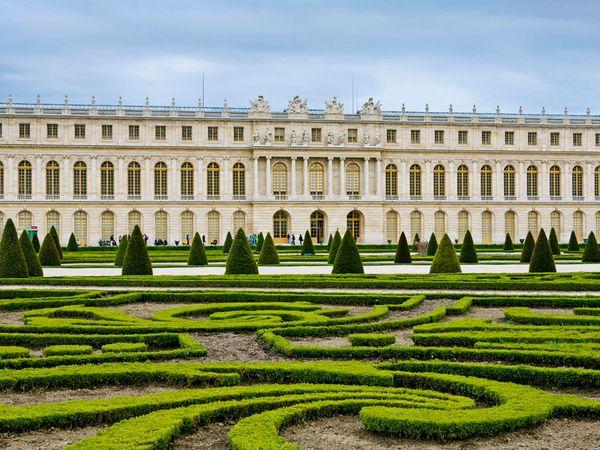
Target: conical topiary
{"type": "Point", "coordinates": [335, 246]}
{"type": "Point", "coordinates": [416, 240]}
{"type": "Point", "coordinates": [197, 255]}
{"type": "Point", "coordinates": [260, 241]}
{"type": "Point", "coordinates": [307, 245]}
{"type": "Point", "coordinates": [54, 235]}
{"type": "Point", "coordinates": [49, 253]}
{"type": "Point", "coordinates": [527, 249]}
{"type": "Point", "coordinates": [445, 259]}
{"type": "Point", "coordinates": [468, 254]}
{"type": "Point", "coordinates": [121, 251]}
{"type": "Point", "coordinates": [573, 244]}
{"type": "Point", "coordinates": [72, 245]}
{"type": "Point", "coordinates": [35, 241]}
{"type": "Point", "coordinates": [432, 245]}
{"type": "Point", "coordinates": [591, 252]}
{"type": "Point", "coordinates": [240, 259]}
{"type": "Point", "coordinates": [402, 251]}
{"type": "Point", "coordinates": [227, 244]}
{"type": "Point", "coordinates": [34, 267]}
{"type": "Point", "coordinates": [553, 240]}
{"type": "Point", "coordinates": [268, 254]}
{"type": "Point", "coordinates": [136, 261]}
{"type": "Point", "coordinates": [348, 259]}
{"type": "Point", "coordinates": [329, 242]}
{"type": "Point", "coordinates": [12, 259]}
{"type": "Point", "coordinates": [508, 243]}
{"type": "Point", "coordinates": [542, 259]}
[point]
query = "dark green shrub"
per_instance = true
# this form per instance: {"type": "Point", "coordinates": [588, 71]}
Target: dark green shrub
{"type": "Point", "coordinates": [35, 241]}
{"type": "Point", "coordinates": [573, 244]}
{"type": "Point", "coordinates": [553, 240]}
{"type": "Point", "coordinates": [329, 242]}
{"type": "Point", "coordinates": [34, 267]}
{"type": "Point", "coordinates": [197, 255]}
{"type": "Point", "coordinates": [136, 261]}
{"type": "Point", "coordinates": [12, 259]}
{"type": "Point", "coordinates": [49, 255]}
{"type": "Point", "coordinates": [542, 259]}
{"type": "Point", "coordinates": [260, 241]}
{"type": "Point", "coordinates": [307, 245]}
{"type": "Point", "coordinates": [240, 259]}
{"type": "Point", "coordinates": [445, 259]}
{"type": "Point", "coordinates": [508, 243]}
{"type": "Point", "coordinates": [468, 254]}
{"type": "Point", "coordinates": [228, 242]}
{"type": "Point", "coordinates": [432, 245]}
{"type": "Point", "coordinates": [268, 254]}
{"type": "Point", "coordinates": [54, 235]}
{"type": "Point", "coordinates": [72, 245]}
{"type": "Point", "coordinates": [348, 259]}
{"type": "Point", "coordinates": [402, 251]}
{"type": "Point", "coordinates": [121, 251]}
{"type": "Point", "coordinates": [591, 252]}
{"type": "Point", "coordinates": [335, 246]}
{"type": "Point", "coordinates": [527, 249]}
{"type": "Point", "coordinates": [416, 240]}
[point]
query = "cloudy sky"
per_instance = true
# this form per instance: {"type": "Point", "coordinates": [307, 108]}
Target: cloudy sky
{"type": "Point", "coordinates": [507, 53]}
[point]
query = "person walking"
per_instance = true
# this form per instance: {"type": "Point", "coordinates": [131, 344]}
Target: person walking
{"type": "Point", "coordinates": [293, 240]}
{"type": "Point", "coordinates": [300, 239]}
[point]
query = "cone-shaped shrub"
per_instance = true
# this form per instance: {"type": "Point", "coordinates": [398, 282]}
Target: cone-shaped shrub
{"type": "Point", "coordinates": [468, 254]}
{"type": "Point", "coordinates": [72, 245]}
{"type": "Point", "coordinates": [34, 267]}
{"type": "Point", "coordinates": [432, 245]}
{"type": "Point", "coordinates": [347, 259]}
{"type": "Point", "coordinates": [508, 243]}
{"type": "Point", "coordinates": [307, 245]}
{"type": "Point", "coordinates": [591, 252]}
{"type": "Point", "coordinates": [527, 249]}
{"type": "Point", "coordinates": [197, 255]}
{"type": "Point", "coordinates": [445, 259]}
{"type": "Point", "coordinates": [35, 241]}
{"type": "Point", "coordinates": [573, 244]}
{"type": "Point", "coordinates": [49, 253]}
{"type": "Point", "coordinates": [12, 260]}
{"type": "Point", "coordinates": [335, 246]}
{"type": "Point", "coordinates": [54, 235]}
{"type": "Point", "coordinates": [136, 261]}
{"type": "Point", "coordinates": [228, 242]}
{"type": "Point", "coordinates": [240, 259]}
{"type": "Point", "coordinates": [268, 254]}
{"type": "Point", "coordinates": [329, 242]}
{"type": "Point", "coordinates": [416, 240]}
{"type": "Point", "coordinates": [542, 259]}
{"type": "Point", "coordinates": [553, 240]}
{"type": "Point", "coordinates": [402, 251]}
{"type": "Point", "coordinates": [259, 242]}
{"type": "Point", "coordinates": [121, 251]}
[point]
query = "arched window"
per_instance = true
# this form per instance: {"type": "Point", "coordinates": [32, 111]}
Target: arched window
{"type": "Point", "coordinates": [391, 181]}
{"type": "Point", "coordinates": [463, 224]}
{"type": "Point", "coordinates": [352, 180]}
{"type": "Point", "coordinates": [280, 181]}
{"type": "Point", "coordinates": [160, 181]}
{"type": "Point", "coordinates": [510, 224]}
{"type": "Point", "coordinates": [213, 226]}
{"type": "Point", "coordinates": [317, 180]}
{"type": "Point", "coordinates": [53, 220]}
{"type": "Point", "coordinates": [107, 219]}
{"type": "Point", "coordinates": [134, 181]}
{"type": "Point", "coordinates": [533, 223]}
{"type": "Point", "coordinates": [354, 224]}
{"type": "Point", "coordinates": [161, 225]}
{"type": "Point", "coordinates": [597, 182]}
{"type": "Point", "coordinates": [317, 226]}
{"type": "Point", "coordinates": [391, 226]}
{"type": "Point", "coordinates": [52, 180]}
{"type": "Point", "coordinates": [462, 181]}
{"type": "Point", "coordinates": [80, 227]}
{"type": "Point", "coordinates": [487, 227]}
{"type": "Point", "coordinates": [555, 222]}
{"type": "Point", "coordinates": [577, 181]}
{"type": "Point", "coordinates": [1, 181]}
{"type": "Point", "coordinates": [439, 224]}
{"type": "Point", "coordinates": [107, 180]}
{"type": "Point", "coordinates": [509, 181]}
{"type": "Point", "coordinates": [213, 188]}
{"type": "Point", "coordinates": [597, 223]}
{"type": "Point", "coordinates": [532, 182]}
{"type": "Point", "coordinates": [416, 224]}
{"type": "Point", "coordinates": [239, 180]}
{"type": "Point", "coordinates": [439, 181]}
{"type": "Point", "coordinates": [24, 179]}
{"type": "Point", "coordinates": [554, 181]}
{"type": "Point", "coordinates": [24, 220]}
{"type": "Point", "coordinates": [239, 221]}
{"type": "Point", "coordinates": [486, 182]}
{"type": "Point", "coordinates": [134, 218]}
{"type": "Point", "coordinates": [187, 181]}
{"type": "Point", "coordinates": [415, 181]}
{"type": "Point", "coordinates": [578, 224]}
{"type": "Point", "coordinates": [187, 225]}
{"type": "Point", "coordinates": [280, 224]}
{"type": "Point", "coordinates": [80, 180]}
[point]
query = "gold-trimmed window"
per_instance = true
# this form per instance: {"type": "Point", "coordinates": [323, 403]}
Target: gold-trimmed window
{"type": "Point", "coordinates": [391, 136]}
{"type": "Point", "coordinates": [439, 181]}
{"type": "Point", "coordinates": [107, 132]}
{"type": "Point", "coordinates": [463, 224]}
{"type": "Point", "coordinates": [134, 179]}
{"type": "Point", "coordinates": [597, 181]}
{"type": "Point", "coordinates": [107, 179]}
{"type": "Point", "coordinates": [52, 179]}
{"type": "Point", "coordinates": [80, 227]}
{"type": "Point", "coordinates": [415, 136]}
{"type": "Point", "coordinates": [186, 132]}
{"type": "Point", "coordinates": [533, 223]}
{"type": "Point", "coordinates": [213, 134]}
{"type": "Point", "coordinates": [486, 138]}
{"type": "Point", "coordinates": [239, 221]}
{"type": "Point", "coordinates": [352, 135]}
{"type": "Point", "coordinates": [463, 137]}
{"type": "Point", "coordinates": [187, 180]}
{"type": "Point", "coordinates": [509, 138]}
{"type": "Point", "coordinates": [391, 226]}
{"type": "Point", "coordinates": [354, 224]}
{"type": "Point", "coordinates": [487, 227]}
{"type": "Point", "coordinates": [510, 224]}
{"type": "Point", "coordinates": [317, 179]}
{"type": "Point", "coordinates": [280, 224]}
{"type": "Point", "coordinates": [532, 181]}
{"type": "Point", "coordinates": [280, 180]}
{"type": "Point", "coordinates": [462, 181]}
{"type": "Point", "coordinates": [213, 180]}
{"type": "Point", "coordinates": [317, 226]}
{"type": "Point", "coordinates": [24, 178]}
{"type": "Point", "coordinates": [438, 136]}
{"type": "Point", "coordinates": [160, 132]}
{"type": "Point", "coordinates": [134, 218]}
{"type": "Point", "coordinates": [316, 135]}
{"type": "Point", "coordinates": [238, 134]}
{"type": "Point", "coordinates": [187, 225]}
{"type": "Point", "coordinates": [577, 139]}
{"type": "Point", "coordinates": [416, 224]}
{"type": "Point", "coordinates": [415, 175]}
{"type": "Point", "coordinates": [160, 179]}
{"type": "Point", "coordinates": [556, 222]}
{"type": "Point", "coordinates": [134, 132]}
{"type": "Point", "coordinates": [24, 220]}
{"type": "Point", "coordinates": [239, 179]}
{"type": "Point", "coordinates": [554, 181]}
{"type": "Point", "coordinates": [79, 131]}
{"type": "Point", "coordinates": [52, 131]}
{"type": "Point", "coordinates": [352, 180]}
{"type": "Point", "coordinates": [80, 179]}
{"type": "Point", "coordinates": [532, 138]}
{"type": "Point", "coordinates": [577, 181]}
{"type": "Point", "coordinates": [578, 224]}
{"type": "Point", "coordinates": [107, 220]}
{"type": "Point", "coordinates": [486, 181]}
{"type": "Point", "coordinates": [161, 228]}
{"type": "Point", "coordinates": [554, 138]}
{"type": "Point", "coordinates": [24, 131]}
{"type": "Point", "coordinates": [391, 180]}
{"type": "Point", "coordinates": [439, 224]}
{"type": "Point", "coordinates": [53, 220]}
{"type": "Point", "coordinates": [279, 135]}
{"type": "Point", "coordinates": [509, 181]}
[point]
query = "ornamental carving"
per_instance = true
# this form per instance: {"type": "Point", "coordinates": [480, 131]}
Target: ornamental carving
{"type": "Point", "coordinates": [260, 105]}
{"type": "Point", "coordinates": [371, 107]}
{"type": "Point", "coordinates": [333, 106]}
{"type": "Point", "coordinates": [297, 105]}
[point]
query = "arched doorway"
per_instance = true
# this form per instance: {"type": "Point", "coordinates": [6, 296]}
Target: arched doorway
{"type": "Point", "coordinates": [354, 224]}
{"type": "Point", "coordinates": [281, 222]}
{"type": "Point", "coordinates": [317, 226]}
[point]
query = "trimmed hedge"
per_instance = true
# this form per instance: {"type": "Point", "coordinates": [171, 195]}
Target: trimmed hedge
{"type": "Point", "coordinates": [371, 340]}
{"type": "Point", "coordinates": [259, 242]}
{"type": "Point", "coordinates": [64, 350]}
{"type": "Point", "coordinates": [335, 245]}
{"type": "Point", "coordinates": [54, 235]}
{"type": "Point", "coordinates": [35, 241]}
{"type": "Point", "coordinates": [72, 245]}
{"type": "Point", "coordinates": [120, 347]}
{"type": "Point", "coordinates": [240, 259]}
{"type": "Point", "coordinates": [432, 245]}
{"type": "Point", "coordinates": [34, 267]}
{"type": "Point", "coordinates": [573, 244]}
{"type": "Point", "coordinates": [12, 259]}
{"type": "Point", "coordinates": [228, 242]}
{"type": "Point", "coordinates": [445, 259]}
{"type": "Point", "coordinates": [49, 255]}
{"type": "Point", "coordinates": [307, 245]}
{"type": "Point", "coordinates": [591, 252]}
{"type": "Point", "coordinates": [468, 254]}
{"type": "Point", "coordinates": [527, 249]}
{"type": "Point", "coordinates": [402, 251]}
{"type": "Point", "coordinates": [508, 243]}
{"type": "Point", "coordinates": [347, 259]}
{"type": "Point", "coordinates": [197, 255]}
{"type": "Point", "coordinates": [121, 250]}
{"type": "Point", "coordinates": [329, 241]}
{"type": "Point", "coordinates": [268, 254]}
{"type": "Point", "coordinates": [553, 240]}
{"type": "Point", "coordinates": [136, 261]}
{"type": "Point", "coordinates": [541, 258]}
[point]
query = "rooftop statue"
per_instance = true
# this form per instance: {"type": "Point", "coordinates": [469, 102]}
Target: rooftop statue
{"type": "Point", "coordinates": [297, 105]}
{"type": "Point", "coordinates": [334, 107]}
{"type": "Point", "coordinates": [260, 105]}
{"type": "Point", "coordinates": [371, 107]}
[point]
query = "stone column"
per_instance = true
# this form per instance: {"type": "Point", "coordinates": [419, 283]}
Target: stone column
{"type": "Point", "coordinates": [66, 187]}
{"type": "Point", "coordinates": [330, 177]}
{"type": "Point", "coordinates": [172, 192]}
{"type": "Point", "coordinates": [475, 180]}
{"type": "Point", "coordinates": [378, 179]}
{"type": "Point", "coordinates": [37, 192]}
{"type": "Point", "coordinates": [306, 187]}
{"type": "Point", "coordinates": [452, 185]}
{"type": "Point", "coordinates": [589, 182]}
{"type": "Point", "coordinates": [226, 179]}
{"type": "Point", "coordinates": [11, 185]}
{"type": "Point", "coordinates": [255, 176]}
{"type": "Point", "coordinates": [543, 175]}
{"type": "Point", "coordinates": [427, 180]}
{"type": "Point", "coordinates": [521, 182]}
{"type": "Point", "coordinates": [567, 182]}
{"type": "Point", "coordinates": [94, 184]}
{"type": "Point", "coordinates": [367, 176]}
{"type": "Point", "coordinates": [499, 184]}
{"type": "Point", "coordinates": [293, 179]}
{"type": "Point", "coordinates": [201, 178]}
{"type": "Point", "coordinates": [121, 181]}
{"type": "Point", "coordinates": [342, 178]}
{"type": "Point", "coordinates": [147, 188]}
{"type": "Point", "coordinates": [268, 191]}
{"type": "Point", "coordinates": [404, 181]}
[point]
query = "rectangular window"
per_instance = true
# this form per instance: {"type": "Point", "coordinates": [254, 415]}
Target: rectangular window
{"type": "Point", "coordinates": [532, 138]}
{"type": "Point", "coordinates": [391, 136]}
{"type": "Point", "coordinates": [463, 137]}
{"type": "Point", "coordinates": [315, 135]}
{"type": "Point", "coordinates": [107, 132]}
{"type": "Point", "coordinates": [160, 132]}
{"type": "Point", "coordinates": [52, 131]}
{"type": "Point", "coordinates": [238, 134]}
{"type": "Point", "coordinates": [438, 136]}
{"type": "Point", "coordinates": [576, 139]}
{"type": "Point", "coordinates": [486, 138]}
{"type": "Point", "coordinates": [134, 132]}
{"type": "Point", "coordinates": [0, 130]}
{"type": "Point", "coordinates": [554, 139]}
{"type": "Point", "coordinates": [213, 133]}
{"type": "Point", "coordinates": [24, 131]}
{"type": "Point", "coordinates": [186, 133]}
{"type": "Point", "coordinates": [352, 135]}
{"type": "Point", "coordinates": [279, 134]}
{"type": "Point", "coordinates": [79, 131]}
{"type": "Point", "coordinates": [509, 138]}
{"type": "Point", "coordinates": [597, 136]}
{"type": "Point", "coordinates": [415, 136]}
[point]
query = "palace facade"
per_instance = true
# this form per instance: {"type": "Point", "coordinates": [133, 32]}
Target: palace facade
{"type": "Point", "coordinates": [98, 170]}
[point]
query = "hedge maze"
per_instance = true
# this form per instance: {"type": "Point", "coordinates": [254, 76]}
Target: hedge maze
{"type": "Point", "coordinates": [433, 367]}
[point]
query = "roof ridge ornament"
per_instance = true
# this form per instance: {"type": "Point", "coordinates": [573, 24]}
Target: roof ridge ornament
{"type": "Point", "coordinates": [334, 106]}
{"type": "Point", "coordinates": [297, 106]}
{"type": "Point", "coordinates": [260, 105]}
{"type": "Point", "coordinates": [371, 108]}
